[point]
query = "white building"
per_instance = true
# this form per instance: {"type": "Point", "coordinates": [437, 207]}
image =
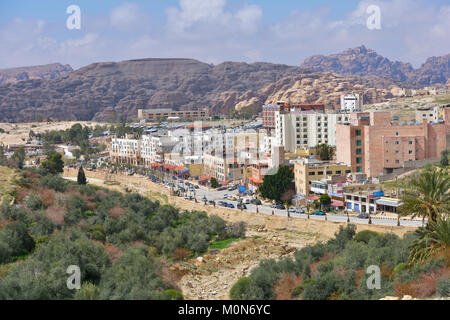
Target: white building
{"type": "Point", "coordinates": [306, 129]}
{"type": "Point", "coordinates": [351, 102]}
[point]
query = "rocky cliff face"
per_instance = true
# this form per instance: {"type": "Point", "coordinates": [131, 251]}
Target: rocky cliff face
{"type": "Point", "coordinates": [46, 72]}
{"type": "Point", "coordinates": [111, 91]}
{"type": "Point", "coordinates": [103, 91]}
{"type": "Point", "coordinates": [362, 62]}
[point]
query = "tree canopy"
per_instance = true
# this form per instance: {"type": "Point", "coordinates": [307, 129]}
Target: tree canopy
{"type": "Point", "coordinates": [274, 186]}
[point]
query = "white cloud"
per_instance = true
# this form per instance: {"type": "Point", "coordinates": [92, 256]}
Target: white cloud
{"type": "Point", "coordinates": [199, 18]}
{"type": "Point", "coordinates": [127, 16]}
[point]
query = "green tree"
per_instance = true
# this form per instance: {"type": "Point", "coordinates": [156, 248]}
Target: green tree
{"type": "Point", "coordinates": [134, 276]}
{"type": "Point", "coordinates": [241, 289]}
{"type": "Point", "coordinates": [324, 151]}
{"type": "Point", "coordinates": [427, 195]}
{"type": "Point", "coordinates": [18, 157]}
{"type": "Point", "coordinates": [81, 178]}
{"type": "Point", "coordinates": [325, 201]}
{"type": "Point", "coordinates": [274, 186]}
{"type": "Point", "coordinates": [214, 183]}
{"type": "Point", "coordinates": [54, 163]}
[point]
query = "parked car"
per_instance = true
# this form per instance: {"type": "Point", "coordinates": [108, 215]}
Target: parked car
{"type": "Point", "coordinates": [196, 186]}
{"type": "Point", "coordinates": [204, 199]}
{"type": "Point", "coordinates": [363, 215]}
{"type": "Point", "coordinates": [230, 205]}
{"type": "Point", "coordinates": [221, 189]}
{"type": "Point", "coordinates": [225, 196]}
{"type": "Point", "coordinates": [319, 213]}
{"type": "Point", "coordinates": [246, 201]}
{"type": "Point", "coordinates": [242, 206]}
{"type": "Point", "coordinates": [223, 204]}
{"type": "Point", "coordinates": [280, 207]}
{"type": "Point", "coordinates": [211, 202]}
{"type": "Point", "coordinates": [293, 210]}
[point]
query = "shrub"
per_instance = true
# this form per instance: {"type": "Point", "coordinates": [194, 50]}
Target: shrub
{"type": "Point", "coordinates": [443, 287]}
{"type": "Point", "coordinates": [55, 214]}
{"type": "Point", "coordinates": [173, 294]}
{"type": "Point", "coordinates": [285, 285]}
{"type": "Point", "coordinates": [236, 230]}
{"type": "Point", "coordinates": [365, 236]}
{"type": "Point", "coordinates": [181, 254]}
{"type": "Point", "coordinates": [47, 196]}
{"type": "Point", "coordinates": [297, 291]}
{"type": "Point", "coordinates": [88, 291]}
{"type": "Point", "coordinates": [241, 289]}
{"type": "Point", "coordinates": [18, 239]}
{"type": "Point", "coordinates": [33, 201]}
{"type": "Point", "coordinates": [54, 182]}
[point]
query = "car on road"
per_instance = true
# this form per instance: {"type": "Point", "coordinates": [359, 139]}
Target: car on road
{"type": "Point", "coordinates": [293, 210]}
{"type": "Point", "coordinates": [204, 199]}
{"type": "Point", "coordinates": [363, 215]}
{"type": "Point", "coordinates": [223, 204]}
{"type": "Point", "coordinates": [230, 205]}
{"type": "Point", "coordinates": [225, 196]}
{"type": "Point", "coordinates": [221, 189]}
{"type": "Point", "coordinates": [280, 207]}
{"type": "Point", "coordinates": [246, 201]}
{"type": "Point", "coordinates": [319, 213]}
{"type": "Point", "coordinates": [242, 206]}
{"type": "Point", "coordinates": [196, 186]}
{"type": "Point", "coordinates": [211, 202]}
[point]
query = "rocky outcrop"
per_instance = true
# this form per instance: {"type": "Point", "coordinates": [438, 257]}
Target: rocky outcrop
{"type": "Point", "coordinates": [45, 72]}
{"type": "Point", "coordinates": [362, 62]}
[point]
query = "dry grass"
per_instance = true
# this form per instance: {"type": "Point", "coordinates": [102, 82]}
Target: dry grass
{"type": "Point", "coordinates": [116, 212]}
{"type": "Point", "coordinates": [285, 284]}
{"type": "Point", "coordinates": [55, 214]}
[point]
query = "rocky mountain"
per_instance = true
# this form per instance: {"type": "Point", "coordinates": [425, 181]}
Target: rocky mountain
{"type": "Point", "coordinates": [110, 91]}
{"type": "Point", "coordinates": [362, 62]}
{"type": "Point", "coordinates": [45, 72]}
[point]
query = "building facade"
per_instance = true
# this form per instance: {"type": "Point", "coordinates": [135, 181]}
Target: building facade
{"type": "Point", "coordinates": [308, 170]}
{"type": "Point", "coordinates": [427, 115]}
{"type": "Point", "coordinates": [351, 102]}
{"type": "Point", "coordinates": [371, 145]}
{"type": "Point", "coordinates": [306, 129]}
{"type": "Point", "coordinates": [157, 114]}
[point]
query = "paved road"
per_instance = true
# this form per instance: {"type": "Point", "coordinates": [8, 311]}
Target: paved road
{"type": "Point", "coordinates": [219, 195]}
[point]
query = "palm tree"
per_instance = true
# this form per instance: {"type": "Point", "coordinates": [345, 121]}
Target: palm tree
{"type": "Point", "coordinates": [428, 195]}
{"type": "Point", "coordinates": [433, 240]}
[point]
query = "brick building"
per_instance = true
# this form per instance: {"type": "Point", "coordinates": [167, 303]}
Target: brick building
{"type": "Point", "coordinates": [370, 144]}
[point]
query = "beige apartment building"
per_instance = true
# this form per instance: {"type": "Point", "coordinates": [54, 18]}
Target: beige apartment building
{"type": "Point", "coordinates": [308, 170]}
{"type": "Point", "coordinates": [157, 114]}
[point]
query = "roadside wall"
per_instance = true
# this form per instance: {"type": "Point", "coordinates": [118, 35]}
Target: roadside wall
{"type": "Point", "coordinates": [326, 228]}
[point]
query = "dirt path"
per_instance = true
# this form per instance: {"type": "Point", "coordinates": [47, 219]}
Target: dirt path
{"type": "Point", "coordinates": [212, 276]}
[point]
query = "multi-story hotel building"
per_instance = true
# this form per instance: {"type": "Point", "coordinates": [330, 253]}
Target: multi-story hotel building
{"type": "Point", "coordinates": [306, 129]}
{"type": "Point", "coordinates": [372, 145]}
{"type": "Point", "coordinates": [157, 114]}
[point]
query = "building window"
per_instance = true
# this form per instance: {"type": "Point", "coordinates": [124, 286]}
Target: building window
{"type": "Point", "coordinates": [359, 169]}
{"type": "Point", "coordinates": [359, 143]}
{"type": "Point", "coordinates": [397, 161]}
{"type": "Point", "coordinates": [410, 142]}
{"type": "Point", "coordinates": [312, 173]}
{"type": "Point", "coordinates": [396, 143]}
{"type": "Point", "coordinates": [358, 151]}
{"type": "Point", "coordinates": [359, 160]}
{"type": "Point", "coordinates": [338, 171]}
{"type": "Point", "coordinates": [358, 133]}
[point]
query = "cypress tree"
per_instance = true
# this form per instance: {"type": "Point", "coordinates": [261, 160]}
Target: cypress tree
{"type": "Point", "coordinates": [81, 179]}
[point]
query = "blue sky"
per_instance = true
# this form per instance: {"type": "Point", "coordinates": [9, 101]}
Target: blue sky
{"type": "Point", "coordinates": [283, 31]}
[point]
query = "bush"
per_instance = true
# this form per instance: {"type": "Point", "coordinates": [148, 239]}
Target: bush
{"type": "Point", "coordinates": [173, 294]}
{"type": "Point", "coordinates": [236, 230]}
{"type": "Point", "coordinates": [18, 239]}
{"type": "Point", "coordinates": [365, 236]}
{"type": "Point", "coordinates": [54, 182]}
{"type": "Point", "coordinates": [88, 291]}
{"type": "Point", "coordinates": [443, 287]}
{"type": "Point", "coordinates": [241, 289]}
{"type": "Point", "coordinates": [181, 254]}
{"type": "Point", "coordinates": [33, 201]}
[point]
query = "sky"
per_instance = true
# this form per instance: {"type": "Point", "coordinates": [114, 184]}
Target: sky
{"type": "Point", "coordinates": [214, 31]}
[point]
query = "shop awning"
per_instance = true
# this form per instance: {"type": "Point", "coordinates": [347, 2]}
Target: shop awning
{"type": "Point", "coordinates": [257, 181]}
{"type": "Point", "coordinates": [337, 203]}
{"type": "Point", "coordinates": [387, 202]}
{"type": "Point", "coordinates": [225, 182]}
